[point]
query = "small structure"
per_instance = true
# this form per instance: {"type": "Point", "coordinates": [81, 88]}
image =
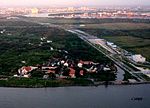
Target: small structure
{"type": "Point", "coordinates": [2, 31]}
{"type": "Point", "coordinates": [86, 62]}
{"type": "Point", "coordinates": [72, 73]}
{"type": "Point", "coordinates": [80, 65]}
{"type": "Point", "coordinates": [132, 80]}
{"type": "Point", "coordinates": [25, 71]}
{"type": "Point", "coordinates": [51, 48]}
{"type": "Point", "coordinates": [111, 44]}
{"type": "Point", "coordinates": [66, 64]}
{"type": "Point", "coordinates": [50, 71]}
{"type": "Point", "coordinates": [49, 41]}
{"type": "Point", "coordinates": [45, 76]}
{"type": "Point", "coordinates": [138, 58]}
{"type": "Point", "coordinates": [23, 62]}
{"type": "Point", "coordinates": [97, 41]}
{"type": "Point", "coordinates": [62, 62]}
{"type": "Point", "coordinates": [107, 69]}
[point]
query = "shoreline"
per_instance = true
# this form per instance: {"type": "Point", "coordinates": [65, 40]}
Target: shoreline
{"type": "Point", "coordinates": [29, 83]}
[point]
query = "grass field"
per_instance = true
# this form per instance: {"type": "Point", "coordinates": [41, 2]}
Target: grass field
{"type": "Point", "coordinates": [128, 41]}
{"type": "Point", "coordinates": [74, 21]}
{"type": "Point", "coordinates": [117, 26]}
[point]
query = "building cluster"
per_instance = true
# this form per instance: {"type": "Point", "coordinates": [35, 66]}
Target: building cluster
{"type": "Point", "coordinates": [78, 12]}
{"type": "Point", "coordinates": [33, 10]}
{"type": "Point", "coordinates": [66, 68]}
{"type": "Point", "coordinates": [103, 14]}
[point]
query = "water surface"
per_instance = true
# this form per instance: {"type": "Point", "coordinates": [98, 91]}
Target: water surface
{"type": "Point", "coordinates": [76, 97]}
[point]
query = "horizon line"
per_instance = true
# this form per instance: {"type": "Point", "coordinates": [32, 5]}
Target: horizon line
{"type": "Point", "coordinates": [73, 5]}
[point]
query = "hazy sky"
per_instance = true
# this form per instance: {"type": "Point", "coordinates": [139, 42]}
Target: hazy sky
{"type": "Point", "coordinates": [72, 2]}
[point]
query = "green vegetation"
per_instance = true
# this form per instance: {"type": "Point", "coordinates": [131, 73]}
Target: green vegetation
{"type": "Point", "coordinates": [76, 21]}
{"type": "Point", "coordinates": [128, 41]}
{"type": "Point", "coordinates": [19, 44]}
{"type": "Point", "coordinates": [128, 76]}
{"type": "Point", "coordinates": [34, 82]}
{"type": "Point", "coordinates": [117, 26]}
{"type": "Point", "coordinates": [15, 22]}
{"type": "Point", "coordinates": [146, 77]}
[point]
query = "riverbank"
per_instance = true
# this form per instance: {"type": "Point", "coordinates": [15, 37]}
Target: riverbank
{"type": "Point", "coordinates": [41, 83]}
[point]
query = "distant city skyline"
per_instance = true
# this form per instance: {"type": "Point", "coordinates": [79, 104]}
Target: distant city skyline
{"type": "Point", "coordinates": [56, 3]}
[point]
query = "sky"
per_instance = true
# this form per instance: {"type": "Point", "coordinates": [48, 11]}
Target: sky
{"type": "Point", "coordinates": [72, 2]}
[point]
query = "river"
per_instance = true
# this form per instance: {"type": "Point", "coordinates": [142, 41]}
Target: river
{"type": "Point", "coordinates": [113, 96]}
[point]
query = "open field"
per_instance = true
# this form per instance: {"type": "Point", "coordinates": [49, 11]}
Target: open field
{"type": "Point", "coordinates": [117, 26]}
{"type": "Point", "coordinates": [74, 21]}
{"type": "Point", "coordinates": [128, 41]}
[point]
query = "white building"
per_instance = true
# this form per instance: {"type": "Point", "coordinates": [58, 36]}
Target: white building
{"type": "Point", "coordinates": [138, 58]}
{"type": "Point", "coordinates": [111, 44]}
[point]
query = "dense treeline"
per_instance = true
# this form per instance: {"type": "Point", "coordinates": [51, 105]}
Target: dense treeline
{"type": "Point", "coordinates": [4, 22]}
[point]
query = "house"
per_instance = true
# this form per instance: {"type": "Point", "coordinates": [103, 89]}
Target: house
{"type": "Point", "coordinates": [51, 48]}
{"type": "Point", "coordinates": [80, 65]}
{"type": "Point", "coordinates": [66, 64]}
{"type": "Point", "coordinates": [92, 69]}
{"type": "Point", "coordinates": [81, 72]}
{"type": "Point", "coordinates": [50, 71]}
{"type": "Point", "coordinates": [49, 41]}
{"type": "Point", "coordinates": [106, 69]}
{"type": "Point", "coordinates": [86, 62]}
{"type": "Point", "coordinates": [72, 73]}
{"type": "Point", "coordinates": [24, 70]}
{"type": "Point", "coordinates": [49, 67]}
